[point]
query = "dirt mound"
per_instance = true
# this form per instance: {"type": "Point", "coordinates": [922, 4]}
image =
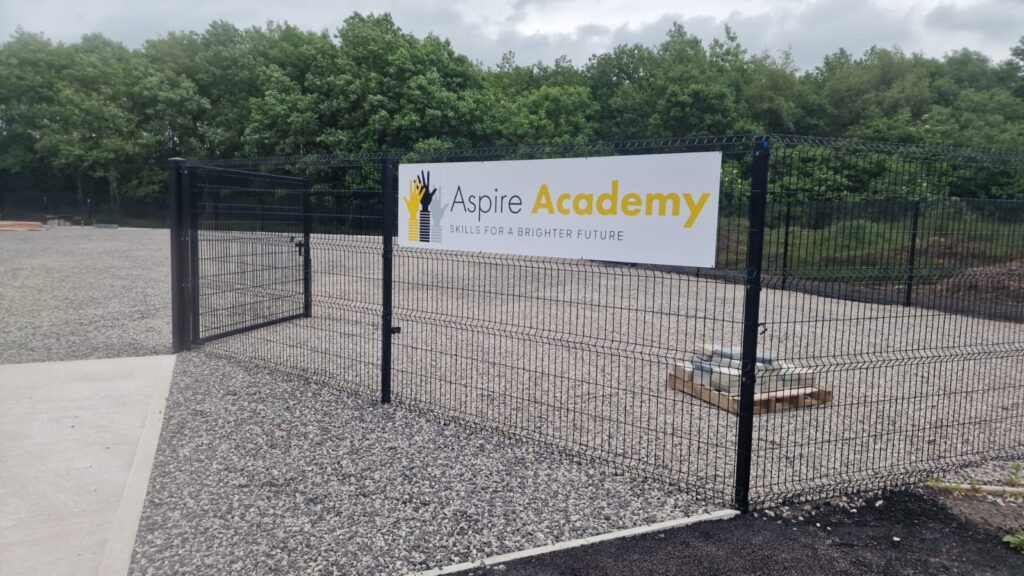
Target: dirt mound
{"type": "Point", "coordinates": [1000, 283]}
{"type": "Point", "coordinates": [948, 251]}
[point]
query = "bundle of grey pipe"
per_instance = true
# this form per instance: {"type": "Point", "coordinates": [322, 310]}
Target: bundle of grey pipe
{"type": "Point", "coordinates": [721, 368]}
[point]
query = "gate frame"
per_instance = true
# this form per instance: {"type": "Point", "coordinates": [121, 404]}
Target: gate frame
{"type": "Point", "coordinates": [185, 317]}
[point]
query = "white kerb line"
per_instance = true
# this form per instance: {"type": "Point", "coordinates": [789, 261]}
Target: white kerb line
{"type": "Point", "coordinates": [568, 544]}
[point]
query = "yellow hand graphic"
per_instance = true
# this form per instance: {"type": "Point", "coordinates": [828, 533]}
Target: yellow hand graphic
{"type": "Point", "coordinates": [412, 203]}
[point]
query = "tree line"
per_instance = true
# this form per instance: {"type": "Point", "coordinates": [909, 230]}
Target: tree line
{"type": "Point", "coordinates": [99, 119]}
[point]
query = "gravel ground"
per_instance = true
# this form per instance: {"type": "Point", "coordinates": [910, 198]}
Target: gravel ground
{"type": "Point", "coordinates": [259, 472]}
{"type": "Point", "coordinates": [994, 473]}
{"type": "Point", "coordinates": [73, 293]}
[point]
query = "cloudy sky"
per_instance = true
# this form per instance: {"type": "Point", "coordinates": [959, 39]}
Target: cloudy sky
{"type": "Point", "coordinates": [545, 29]}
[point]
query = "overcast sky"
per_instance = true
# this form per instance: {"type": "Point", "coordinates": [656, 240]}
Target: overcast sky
{"type": "Point", "coordinates": [544, 29]}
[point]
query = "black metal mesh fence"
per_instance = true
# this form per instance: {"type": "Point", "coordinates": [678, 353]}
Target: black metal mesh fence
{"type": "Point", "coordinates": [904, 302]}
{"type": "Point", "coordinates": [249, 242]}
{"type": "Point", "coordinates": [67, 208]}
{"type": "Point", "coordinates": [575, 354]}
{"type": "Point", "coordinates": [890, 317]}
{"type": "Point", "coordinates": [253, 232]}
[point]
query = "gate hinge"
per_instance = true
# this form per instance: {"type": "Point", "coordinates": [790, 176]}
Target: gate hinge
{"type": "Point", "coordinates": [396, 329]}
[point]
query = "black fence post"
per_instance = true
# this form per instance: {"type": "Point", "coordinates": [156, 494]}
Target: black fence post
{"type": "Point", "coordinates": [190, 205]}
{"type": "Point", "coordinates": [180, 315]}
{"type": "Point", "coordinates": [307, 257]}
{"type": "Point", "coordinates": [751, 319]}
{"type": "Point", "coordinates": [915, 217]}
{"type": "Point", "coordinates": [389, 188]}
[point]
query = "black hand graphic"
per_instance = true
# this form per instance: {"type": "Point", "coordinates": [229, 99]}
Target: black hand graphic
{"type": "Point", "coordinates": [423, 180]}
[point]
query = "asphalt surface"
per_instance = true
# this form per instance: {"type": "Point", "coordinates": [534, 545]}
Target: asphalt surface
{"type": "Point", "coordinates": [909, 534]}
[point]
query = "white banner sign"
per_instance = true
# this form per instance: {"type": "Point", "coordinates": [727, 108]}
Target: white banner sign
{"type": "Point", "coordinates": [652, 209]}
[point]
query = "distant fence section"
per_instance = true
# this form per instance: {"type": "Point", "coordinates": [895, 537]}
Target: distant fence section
{"type": "Point", "coordinates": [863, 326]}
{"type": "Point", "coordinates": [63, 208]}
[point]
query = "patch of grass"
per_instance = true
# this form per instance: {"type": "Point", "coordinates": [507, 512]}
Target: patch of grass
{"type": "Point", "coordinates": [855, 246]}
{"type": "Point", "coordinates": [1013, 475]}
{"type": "Point", "coordinates": [1016, 541]}
{"type": "Point", "coordinates": [950, 486]}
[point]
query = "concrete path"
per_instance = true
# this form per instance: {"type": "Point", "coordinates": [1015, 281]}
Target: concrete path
{"type": "Point", "coordinates": [77, 441]}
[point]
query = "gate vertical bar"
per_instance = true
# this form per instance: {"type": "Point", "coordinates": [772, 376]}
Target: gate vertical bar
{"type": "Point", "coordinates": [785, 242]}
{"type": "Point", "coordinates": [191, 216]}
{"type": "Point", "coordinates": [915, 217]}
{"type": "Point", "coordinates": [751, 319]}
{"type": "Point", "coordinates": [389, 187]}
{"type": "Point", "coordinates": [307, 257]}
{"type": "Point", "coordinates": [179, 257]}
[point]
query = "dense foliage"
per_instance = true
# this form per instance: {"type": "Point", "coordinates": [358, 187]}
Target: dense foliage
{"type": "Point", "coordinates": [97, 117]}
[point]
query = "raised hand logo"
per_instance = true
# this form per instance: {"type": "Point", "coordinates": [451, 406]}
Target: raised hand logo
{"type": "Point", "coordinates": [436, 218]}
{"type": "Point", "coordinates": [412, 204]}
{"type": "Point", "coordinates": [426, 195]}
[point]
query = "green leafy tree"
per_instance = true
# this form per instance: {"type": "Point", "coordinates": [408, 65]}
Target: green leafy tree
{"type": "Point", "coordinates": [621, 82]}
{"type": "Point", "coordinates": [392, 90]}
{"type": "Point", "coordinates": [30, 66]}
{"type": "Point", "coordinates": [283, 120]}
{"type": "Point", "coordinates": [550, 114]}
{"type": "Point", "coordinates": [90, 126]}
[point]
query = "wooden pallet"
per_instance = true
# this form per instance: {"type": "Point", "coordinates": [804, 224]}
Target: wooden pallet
{"type": "Point", "coordinates": [9, 225]}
{"type": "Point", "coordinates": [764, 402]}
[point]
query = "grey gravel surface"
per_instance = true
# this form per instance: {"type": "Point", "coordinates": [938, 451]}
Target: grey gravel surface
{"type": "Point", "coordinates": [994, 473]}
{"type": "Point", "coordinates": [72, 293]}
{"type": "Point", "coordinates": [262, 473]}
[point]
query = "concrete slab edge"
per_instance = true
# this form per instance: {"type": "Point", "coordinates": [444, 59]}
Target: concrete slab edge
{"type": "Point", "coordinates": [117, 555]}
{"type": "Point", "coordinates": [580, 542]}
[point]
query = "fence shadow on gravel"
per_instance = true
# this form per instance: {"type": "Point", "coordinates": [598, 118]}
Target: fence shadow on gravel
{"type": "Point", "coordinates": [885, 282]}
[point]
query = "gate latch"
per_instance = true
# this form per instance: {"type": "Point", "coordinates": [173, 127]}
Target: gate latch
{"type": "Point", "coordinates": [396, 329]}
{"type": "Point", "coordinates": [300, 244]}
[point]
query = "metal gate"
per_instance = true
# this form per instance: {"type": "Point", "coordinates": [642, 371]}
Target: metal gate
{"type": "Point", "coordinates": [246, 236]}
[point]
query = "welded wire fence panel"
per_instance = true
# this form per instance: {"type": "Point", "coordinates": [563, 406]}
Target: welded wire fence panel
{"type": "Point", "coordinates": [63, 208]}
{"type": "Point", "coordinates": [576, 354]}
{"type": "Point", "coordinates": [915, 389]}
{"type": "Point", "coordinates": [892, 294]}
{"type": "Point", "coordinates": [339, 208]}
{"type": "Point", "coordinates": [248, 233]}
